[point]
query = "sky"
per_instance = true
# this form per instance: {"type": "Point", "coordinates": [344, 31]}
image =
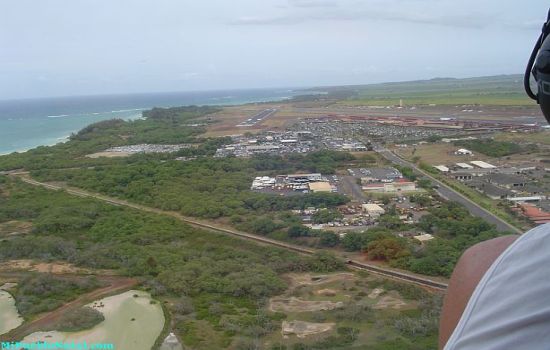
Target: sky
{"type": "Point", "coordinates": [87, 47]}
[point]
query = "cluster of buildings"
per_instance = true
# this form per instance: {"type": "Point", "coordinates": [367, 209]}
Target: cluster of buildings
{"type": "Point", "coordinates": [338, 131]}
{"type": "Point", "coordinates": [382, 180]}
{"type": "Point", "coordinates": [295, 182]}
{"type": "Point", "coordinates": [147, 148]}
{"type": "Point", "coordinates": [522, 185]}
{"type": "Point", "coordinates": [268, 143]}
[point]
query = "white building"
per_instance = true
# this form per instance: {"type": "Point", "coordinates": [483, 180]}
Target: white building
{"type": "Point", "coordinates": [483, 165]}
{"type": "Point", "coordinates": [464, 165]}
{"type": "Point", "coordinates": [464, 152]}
{"type": "Point", "coordinates": [442, 168]}
{"type": "Point", "coordinates": [374, 210]}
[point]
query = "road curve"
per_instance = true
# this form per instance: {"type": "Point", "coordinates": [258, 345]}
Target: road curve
{"type": "Point", "coordinates": [450, 194]}
{"type": "Point", "coordinates": [385, 272]}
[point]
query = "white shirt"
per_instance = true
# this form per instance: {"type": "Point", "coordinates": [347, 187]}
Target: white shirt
{"type": "Point", "coordinates": [510, 307]}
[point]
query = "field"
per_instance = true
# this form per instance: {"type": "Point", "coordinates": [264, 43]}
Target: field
{"type": "Point", "coordinates": [505, 90]}
{"type": "Point", "coordinates": [438, 153]}
{"type": "Point", "coordinates": [542, 138]}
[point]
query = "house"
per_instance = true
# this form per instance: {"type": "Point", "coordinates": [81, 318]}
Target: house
{"type": "Point", "coordinates": [537, 215]}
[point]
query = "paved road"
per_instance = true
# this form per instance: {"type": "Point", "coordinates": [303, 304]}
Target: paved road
{"type": "Point", "coordinates": [266, 113]}
{"type": "Point", "coordinates": [404, 276]}
{"type": "Point", "coordinates": [450, 194]}
{"type": "Point", "coordinates": [348, 185]}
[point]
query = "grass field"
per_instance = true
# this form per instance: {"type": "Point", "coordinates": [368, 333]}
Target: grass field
{"type": "Point", "coordinates": [505, 90]}
{"type": "Point", "coordinates": [437, 153]}
{"type": "Point", "coordinates": [542, 138]}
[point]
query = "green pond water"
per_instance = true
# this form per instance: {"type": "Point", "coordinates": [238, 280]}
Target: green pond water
{"type": "Point", "coordinates": [118, 327]}
{"type": "Point", "coordinates": [9, 317]}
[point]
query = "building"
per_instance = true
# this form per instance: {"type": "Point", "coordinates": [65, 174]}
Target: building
{"type": "Point", "coordinates": [262, 182]}
{"type": "Point", "coordinates": [307, 177]}
{"type": "Point", "coordinates": [321, 186]}
{"type": "Point", "coordinates": [464, 166]}
{"type": "Point", "coordinates": [442, 168]}
{"type": "Point", "coordinates": [507, 181]}
{"type": "Point", "coordinates": [537, 215]}
{"type": "Point", "coordinates": [262, 148]}
{"type": "Point", "coordinates": [483, 164]}
{"type": "Point", "coordinates": [494, 192]}
{"type": "Point", "coordinates": [463, 152]}
{"type": "Point", "coordinates": [462, 176]}
{"type": "Point", "coordinates": [374, 210]}
{"type": "Point", "coordinates": [390, 187]}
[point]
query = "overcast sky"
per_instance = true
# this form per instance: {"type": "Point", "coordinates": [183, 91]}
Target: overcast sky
{"type": "Point", "coordinates": [78, 47]}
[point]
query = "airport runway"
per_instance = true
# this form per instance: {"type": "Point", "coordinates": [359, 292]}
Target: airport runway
{"type": "Point", "coordinates": [258, 117]}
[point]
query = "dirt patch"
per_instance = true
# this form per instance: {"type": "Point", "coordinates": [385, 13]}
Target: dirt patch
{"type": "Point", "coordinates": [303, 329]}
{"type": "Point", "coordinates": [309, 279]}
{"type": "Point", "coordinates": [108, 154]}
{"type": "Point", "coordinates": [299, 305]}
{"type": "Point", "coordinates": [8, 285]}
{"type": "Point", "coordinates": [375, 293]}
{"type": "Point", "coordinates": [15, 227]}
{"type": "Point", "coordinates": [326, 292]}
{"type": "Point", "coordinates": [53, 267]}
{"type": "Point", "coordinates": [390, 302]}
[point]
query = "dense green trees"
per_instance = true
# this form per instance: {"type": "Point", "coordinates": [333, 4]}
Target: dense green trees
{"type": "Point", "coordinates": [325, 215]}
{"type": "Point", "coordinates": [77, 320]}
{"type": "Point", "coordinates": [205, 187]}
{"type": "Point", "coordinates": [492, 148]}
{"type": "Point", "coordinates": [39, 293]}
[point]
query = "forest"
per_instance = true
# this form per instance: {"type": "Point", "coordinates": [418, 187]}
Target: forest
{"type": "Point", "coordinates": [494, 148]}
{"type": "Point", "coordinates": [213, 281]}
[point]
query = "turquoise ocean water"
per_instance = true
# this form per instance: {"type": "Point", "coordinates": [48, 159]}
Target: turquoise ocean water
{"type": "Point", "coordinates": [25, 124]}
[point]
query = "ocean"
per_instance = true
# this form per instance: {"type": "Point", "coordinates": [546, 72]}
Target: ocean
{"type": "Point", "coordinates": [25, 124]}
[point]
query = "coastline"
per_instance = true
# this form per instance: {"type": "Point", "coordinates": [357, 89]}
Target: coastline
{"type": "Point", "coordinates": [22, 132]}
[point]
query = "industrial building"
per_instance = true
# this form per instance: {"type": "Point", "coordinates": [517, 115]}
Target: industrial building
{"type": "Point", "coordinates": [482, 164]}
{"type": "Point", "coordinates": [442, 168]}
{"type": "Point", "coordinates": [321, 186]}
{"type": "Point", "coordinates": [304, 177]}
{"type": "Point", "coordinates": [464, 166]}
{"type": "Point", "coordinates": [374, 210]}
{"type": "Point", "coordinates": [390, 187]}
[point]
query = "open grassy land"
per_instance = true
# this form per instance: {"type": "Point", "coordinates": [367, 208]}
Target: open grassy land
{"type": "Point", "coordinates": [542, 137]}
{"type": "Point", "coordinates": [504, 90]}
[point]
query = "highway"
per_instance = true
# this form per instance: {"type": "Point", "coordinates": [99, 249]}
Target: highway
{"type": "Point", "coordinates": [381, 271]}
{"type": "Point", "coordinates": [450, 194]}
